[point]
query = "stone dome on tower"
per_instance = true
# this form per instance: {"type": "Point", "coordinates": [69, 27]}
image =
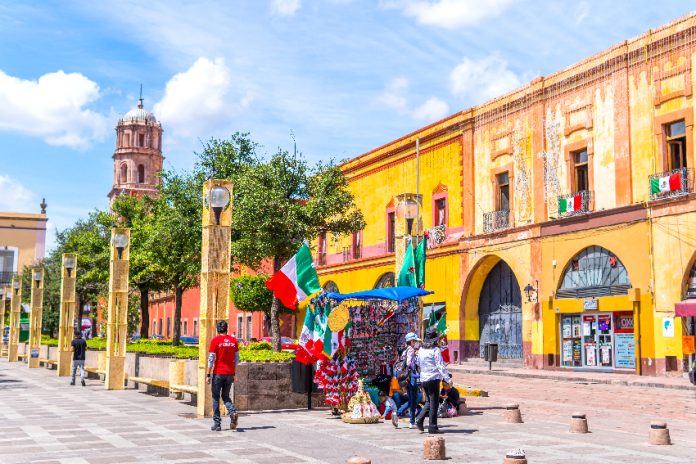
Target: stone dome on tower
{"type": "Point", "coordinates": [138, 155]}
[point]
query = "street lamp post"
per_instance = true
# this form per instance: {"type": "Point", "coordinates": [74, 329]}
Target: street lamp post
{"type": "Point", "coordinates": [67, 313]}
{"type": "Point", "coordinates": [2, 317]}
{"type": "Point", "coordinates": [35, 322]}
{"type": "Point", "coordinates": [15, 307]}
{"type": "Point", "coordinates": [117, 319]}
{"type": "Point", "coordinates": [215, 276]}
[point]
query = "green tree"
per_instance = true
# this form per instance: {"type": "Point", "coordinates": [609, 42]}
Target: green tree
{"type": "Point", "coordinates": [137, 214]}
{"type": "Point", "coordinates": [174, 248]}
{"type": "Point", "coordinates": [249, 293]}
{"type": "Point", "coordinates": [279, 204]}
{"type": "Point", "coordinates": [225, 159]}
{"type": "Point", "coordinates": [50, 313]}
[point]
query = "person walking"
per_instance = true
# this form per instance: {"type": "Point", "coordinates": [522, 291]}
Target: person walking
{"type": "Point", "coordinates": [78, 347]}
{"type": "Point", "coordinates": [432, 371]}
{"type": "Point", "coordinates": [223, 358]}
{"type": "Point", "coordinates": [412, 387]}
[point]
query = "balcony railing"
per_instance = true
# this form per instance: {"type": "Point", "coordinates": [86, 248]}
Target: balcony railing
{"type": "Point", "coordinates": [573, 204]}
{"type": "Point", "coordinates": [321, 258]}
{"type": "Point", "coordinates": [496, 220]}
{"type": "Point", "coordinates": [6, 278]}
{"type": "Point", "coordinates": [346, 254]}
{"type": "Point", "coordinates": [436, 235]}
{"type": "Point", "coordinates": [670, 184]}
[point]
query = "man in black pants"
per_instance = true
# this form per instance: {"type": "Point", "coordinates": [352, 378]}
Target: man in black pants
{"type": "Point", "coordinates": [222, 360]}
{"type": "Point", "coordinates": [78, 346]}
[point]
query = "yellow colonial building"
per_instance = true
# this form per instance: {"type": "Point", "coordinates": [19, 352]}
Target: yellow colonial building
{"type": "Point", "coordinates": [22, 242]}
{"type": "Point", "coordinates": [560, 218]}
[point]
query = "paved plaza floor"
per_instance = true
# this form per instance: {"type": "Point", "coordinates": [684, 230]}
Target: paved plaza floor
{"type": "Point", "coordinates": [44, 420]}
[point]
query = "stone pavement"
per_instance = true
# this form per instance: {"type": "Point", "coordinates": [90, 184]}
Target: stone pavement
{"type": "Point", "coordinates": [44, 420]}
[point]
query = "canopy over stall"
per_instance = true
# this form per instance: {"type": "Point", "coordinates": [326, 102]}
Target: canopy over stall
{"type": "Point", "coordinates": [387, 293]}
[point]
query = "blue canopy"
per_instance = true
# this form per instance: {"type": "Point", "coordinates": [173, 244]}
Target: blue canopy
{"type": "Point", "coordinates": [387, 293]}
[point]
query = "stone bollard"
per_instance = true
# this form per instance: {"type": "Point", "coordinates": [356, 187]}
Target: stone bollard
{"type": "Point", "coordinates": [659, 434]}
{"type": "Point", "coordinates": [462, 407]}
{"type": "Point", "coordinates": [515, 456]}
{"type": "Point", "coordinates": [434, 448]}
{"type": "Point", "coordinates": [358, 460]}
{"type": "Point", "coordinates": [176, 375]}
{"type": "Point", "coordinates": [578, 423]}
{"type": "Point", "coordinates": [512, 414]}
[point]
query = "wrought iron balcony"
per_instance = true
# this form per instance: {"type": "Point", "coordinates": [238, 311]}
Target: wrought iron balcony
{"type": "Point", "coordinates": [496, 220]}
{"type": "Point", "coordinates": [346, 254]}
{"type": "Point", "coordinates": [436, 235]}
{"type": "Point", "coordinates": [670, 184]}
{"type": "Point", "coordinates": [6, 278]}
{"type": "Point", "coordinates": [573, 204]}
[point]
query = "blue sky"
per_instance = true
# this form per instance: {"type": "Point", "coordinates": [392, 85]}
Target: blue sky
{"type": "Point", "coordinates": [345, 76]}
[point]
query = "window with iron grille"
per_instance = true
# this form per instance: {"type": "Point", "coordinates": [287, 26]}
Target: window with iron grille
{"type": "Point", "coordinates": [593, 272]}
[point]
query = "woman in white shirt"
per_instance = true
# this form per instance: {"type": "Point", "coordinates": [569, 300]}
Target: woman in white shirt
{"type": "Point", "coordinates": [432, 371]}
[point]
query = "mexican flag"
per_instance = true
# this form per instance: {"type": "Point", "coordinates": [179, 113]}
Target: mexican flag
{"type": "Point", "coordinates": [304, 353]}
{"type": "Point", "coordinates": [666, 184]}
{"type": "Point", "coordinates": [570, 204]}
{"type": "Point", "coordinates": [440, 327]}
{"type": "Point", "coordinates": [419, 259]}
{"type": "Point", "coordinates": [296, 280]}
{"type": "Point", "coordinates": [407, 274]}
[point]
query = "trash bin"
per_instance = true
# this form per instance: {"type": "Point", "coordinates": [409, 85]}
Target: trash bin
{"type": "Point", "coordinates": [299, 377]}
{"type": "Point", "coordinates": [490, 352]}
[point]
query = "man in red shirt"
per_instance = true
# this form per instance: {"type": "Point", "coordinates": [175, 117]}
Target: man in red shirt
{"type": "Point", "coordinates": [222, 360]}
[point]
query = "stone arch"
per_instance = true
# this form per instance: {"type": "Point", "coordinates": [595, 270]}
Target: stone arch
{"type": "Point", "coordinates": [123, 173]}
{"type": "Point", "coordinates": [688, 273]}
{"type": "Point", "coordinates": [141, 173]}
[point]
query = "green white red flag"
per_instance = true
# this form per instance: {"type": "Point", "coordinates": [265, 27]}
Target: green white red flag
{"type": "Point", "coordinates": [296, 280]}
{"type": "Point", "coordinates": [666, 184]}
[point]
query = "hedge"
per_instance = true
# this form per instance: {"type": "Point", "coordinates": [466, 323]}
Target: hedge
{"type": "Point", "coordinates": [254, 352]}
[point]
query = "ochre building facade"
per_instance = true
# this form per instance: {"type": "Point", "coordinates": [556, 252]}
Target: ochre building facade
{"type": "Point", "coordinates": [561, 218]}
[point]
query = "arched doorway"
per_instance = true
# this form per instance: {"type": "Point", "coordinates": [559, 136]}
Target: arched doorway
{"type": "Point", "coordinates": [330, 286]}
{"type": "Point", "coordinates": [500, 312]}
{"type": "Point", "coordinates": [385, 280]}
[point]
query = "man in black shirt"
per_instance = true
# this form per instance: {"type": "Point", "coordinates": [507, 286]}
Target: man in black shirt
{"type": "Point", "coordinates": [78, 347]}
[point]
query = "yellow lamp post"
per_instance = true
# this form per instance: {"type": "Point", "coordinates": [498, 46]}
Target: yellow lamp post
{"type": "Point", "coordinates": [15, 307]}
{"type": "Point", "coordinates": [67, 313]}
{"type": "Point", "coordinates": [215, 276]}
{"type": "Point", "coordinates": [3, 291]}
{"type": "Point", "coordinates": [37, 286]}
{"type": "Point", "coordinates": [117, 322]}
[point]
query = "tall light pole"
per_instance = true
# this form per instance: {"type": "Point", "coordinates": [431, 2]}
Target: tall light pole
{"type": "Point", "coordinates": [67, 313]}
{"type": "Point", "coordinates": [215, 276]}
{"type": "Point", "coordinates": [2, 313]}
{"type": "Point", "coordinates": [15, 308]}
{"type": "Point", "coordinates": [37, 287]}
{"type": "Point", "coordinates": [117, 320]}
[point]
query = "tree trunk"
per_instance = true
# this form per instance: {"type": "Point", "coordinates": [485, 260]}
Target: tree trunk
{"type": "Point", "coordinates": [144, 312]}
{"type": "Point", "coordinates": [178, 296]}
{"type": "Point", "coordinates": [275, 310]}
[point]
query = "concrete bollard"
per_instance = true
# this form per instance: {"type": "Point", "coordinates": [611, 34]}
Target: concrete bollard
{"type": "Point", "coordinates": [462, 407]}
{"type": "Point", "coordinates": [512, 414]}
{"type": "Point", "coordinates": [515, 456]}
{"type": "Point", "coordinates": [358, 460]}
{"type": "Point", "coordinates": [659, 434]}
{"type": "Point", "coordinates": [578, 423]}
{"type": "Point", "coordinates": [434, 448]}
{"type": "Point", "coordinates": [176, 375]}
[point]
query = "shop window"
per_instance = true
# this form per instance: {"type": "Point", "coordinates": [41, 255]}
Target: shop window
{"type": "Point", "coordinates": [161, 327]}
{"type": "Point", "coordinates": [440, 212]}
{"type": "Point", "coordinates": [357, 245]}
{"type": "Point", "coordinates": [580, 161]}
{"type": "Point", "coordinates": [593, 272]}
{"type": "Point", "coordinates": [386, 280]}
{"type": "Point", "coordinates": [391, 232]}
{"type": "Point", "coordinates": [154, 326]}
{"type": "Point", "coordinates": [185, 327]}
{"type": "Point", "coordinates": [169, 327]}
{"type": "Point", "coordinates": [248, 328]}
{"type": "Point", "coordinates": [503, 191]}
{"type": "Point", "coordinates": [240, 327]}
{"type": "Point", "coordinates": [141, 173]}
{"type": "Point", "coordinates": [7, 266]}
{"type": "Point", "coordinates": [195, 328]}
{"type": "Point", "coordinates": [676, 144]}
{"type": "Point", "coordinates": [330, 286]}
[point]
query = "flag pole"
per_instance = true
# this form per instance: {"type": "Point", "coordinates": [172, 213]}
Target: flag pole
{"type": "Point", "coordinates": [418, 231]}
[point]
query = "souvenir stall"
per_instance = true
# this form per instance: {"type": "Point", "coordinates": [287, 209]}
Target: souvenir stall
{"type": "Point", "coordinates": [355, 337]}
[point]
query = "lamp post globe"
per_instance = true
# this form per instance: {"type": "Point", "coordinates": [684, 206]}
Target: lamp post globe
{"type": "Point", "coordinates": [218, 199]}
{"type": "Point", "coordinates": [120, 241]}
{"type": "Point", "coordinates": [407, 209]}
{"type": "Point", "coordinates": [37, 277]}
{"type": "Point", "coordinates": [69, 264]}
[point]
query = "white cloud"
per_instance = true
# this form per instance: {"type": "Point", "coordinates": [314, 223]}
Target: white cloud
{"type": "Point", "coordinates": [476, 81]}
{"type": "Point", "coordinates": [285, 7]}
{"type": "Point", "coordinates": [450, 14]}
{"type": "Point", "coordinates": [200, 99]}
{"type": "Point", "coordinates": [16, 197]}
{"type": "Point", "coordinates": [582, 11]}
{"type": "Point", "coordinates": [52, 107]}
{"type": "Point", "coordinates": [394, 96]}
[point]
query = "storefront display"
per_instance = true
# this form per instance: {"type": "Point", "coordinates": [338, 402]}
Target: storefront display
{"type": "Point", "coordinates": [601, 340]}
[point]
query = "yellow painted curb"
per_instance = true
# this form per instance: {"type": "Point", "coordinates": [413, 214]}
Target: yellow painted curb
{"type": "Point", "coordinates": [468, 391]}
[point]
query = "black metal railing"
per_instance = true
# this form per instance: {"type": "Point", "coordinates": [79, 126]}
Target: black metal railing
{"type": "Point", "coordinates": [357, 252]}
{"type": "Point", "coordinates": [321, 258]}
{"type": "Point", "coordinates": [669, 184]}
{"type": "Point", "coordinates": [6, 278]}
{"type": "Point", "coordinates": [566, 205]}
{"type": "Point", "coordinates": [496, 220]}
{"type": "Point", "coordinates": [346, 254]}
